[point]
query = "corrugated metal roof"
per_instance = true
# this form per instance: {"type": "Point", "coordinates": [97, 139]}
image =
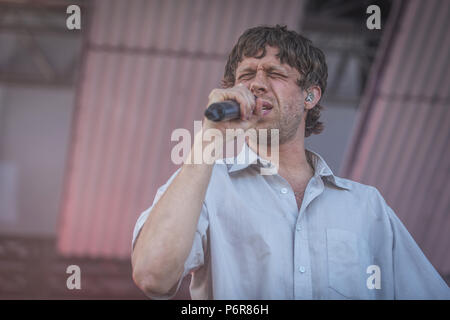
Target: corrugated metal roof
{"type": "Point", "coordinates": [149, 68]}
{"type": "Point", "coordinates": [401, 142]}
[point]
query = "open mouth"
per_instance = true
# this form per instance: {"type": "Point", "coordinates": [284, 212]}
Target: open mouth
{"type": "Point", "coordinates": [266, 108]}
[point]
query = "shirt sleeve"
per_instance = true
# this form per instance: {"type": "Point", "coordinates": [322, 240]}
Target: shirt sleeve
{"type": "Point", "coordinates": [196, 256]}
{"type": "Point", "coordinates": [413, 275]}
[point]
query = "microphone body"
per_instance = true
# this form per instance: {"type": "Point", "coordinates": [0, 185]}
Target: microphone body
{"type": "Point", "coordinates": [223, 111]}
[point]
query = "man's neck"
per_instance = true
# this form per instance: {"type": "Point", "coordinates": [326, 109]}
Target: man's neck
{"type": "Point", "coordinates": [293, 161]}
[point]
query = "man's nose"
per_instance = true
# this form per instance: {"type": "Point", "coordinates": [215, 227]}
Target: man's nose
{"type": "Point", "coordinates": [258, 84]}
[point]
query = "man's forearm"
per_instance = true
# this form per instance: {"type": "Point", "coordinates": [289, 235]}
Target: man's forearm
{"type": "Point", "coordinates": [167, 236]}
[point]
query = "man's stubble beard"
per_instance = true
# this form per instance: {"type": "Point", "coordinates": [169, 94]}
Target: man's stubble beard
{"type": "Point", "coordinates": [287, 123]}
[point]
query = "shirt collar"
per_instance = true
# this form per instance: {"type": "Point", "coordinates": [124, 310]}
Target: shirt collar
{"type": "Point", "coordinates": [247, 157]}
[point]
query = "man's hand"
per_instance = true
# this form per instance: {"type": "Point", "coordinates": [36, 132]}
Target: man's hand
{"type": "Point", "coordinates": [250, 113]}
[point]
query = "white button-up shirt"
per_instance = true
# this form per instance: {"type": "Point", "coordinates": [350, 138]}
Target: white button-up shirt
{"type": "Point", "coordinates": [345, 242]}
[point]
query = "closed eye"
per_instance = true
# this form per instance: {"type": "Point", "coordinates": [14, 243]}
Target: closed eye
{"type": "Point", "coordinates": [274, 74]}
{"type": "Point", "coordinates": [245, 76]}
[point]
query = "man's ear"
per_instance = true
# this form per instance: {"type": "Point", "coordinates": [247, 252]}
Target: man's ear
{"type": "Point", "coordinates": [312, 97]}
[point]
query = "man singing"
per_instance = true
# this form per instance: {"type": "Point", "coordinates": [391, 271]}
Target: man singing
{"type": "Point", "coordinates": [301, 233]}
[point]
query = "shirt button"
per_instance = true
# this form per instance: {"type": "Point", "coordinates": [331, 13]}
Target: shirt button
{"type": "Point", "coordinates": [284, 190]}
{"type": "Point", "coordinates": [302, 269]}
{"type": "Point", "coordinates": [299, 228]}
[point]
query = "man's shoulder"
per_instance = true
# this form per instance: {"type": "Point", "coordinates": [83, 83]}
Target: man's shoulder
{"type": "Point", "coordinates": [356, 186]}
{"type": "Point", "coordinates": [365, 194]}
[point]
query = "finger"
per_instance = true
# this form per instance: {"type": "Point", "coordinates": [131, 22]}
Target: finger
{"type": "Point", "coordinates": [250, 98]}
{"type": "Point", "coordinates": [248, 94]}
{"type": "Point", "coordinates": [220, 95]}
{"type": "Point", "coordinates": [240, 94]}
{"type": "Point", "coordinates": [243, 102]}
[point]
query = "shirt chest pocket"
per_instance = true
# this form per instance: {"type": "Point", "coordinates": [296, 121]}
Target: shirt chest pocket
{"type": "Point", "coordinates": [344, 265]}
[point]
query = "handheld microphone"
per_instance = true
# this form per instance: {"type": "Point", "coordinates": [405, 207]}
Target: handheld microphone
{"type": "Point", "coordinates": [223, 111]}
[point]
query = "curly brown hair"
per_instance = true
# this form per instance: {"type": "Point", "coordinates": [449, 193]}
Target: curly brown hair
{"type": "Point", "coordinates": [295, 50]}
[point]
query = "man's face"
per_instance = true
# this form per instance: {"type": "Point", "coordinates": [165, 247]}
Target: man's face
{"type": "Point", "coordinates": [275, 86]}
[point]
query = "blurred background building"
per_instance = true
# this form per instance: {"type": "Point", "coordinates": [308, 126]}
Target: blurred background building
{"type": "Point", "coordinates": [86, 118]}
